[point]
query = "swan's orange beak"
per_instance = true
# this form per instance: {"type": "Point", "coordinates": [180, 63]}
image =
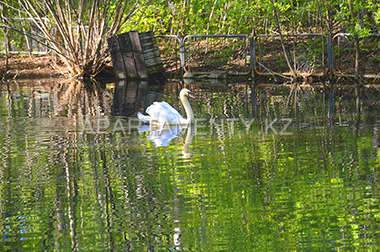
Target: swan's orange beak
{"type": "Point", "coordinates": [190, 95]}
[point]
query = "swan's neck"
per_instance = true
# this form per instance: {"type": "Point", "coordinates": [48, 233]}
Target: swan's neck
{"type": "Point", "coordinates": [189, 111]}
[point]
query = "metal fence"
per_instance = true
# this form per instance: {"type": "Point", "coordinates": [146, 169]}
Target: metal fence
{"type": "Point", "coordinates": [311, 53]}
{"type": "Point", "coordinates": [363, 62]}
{"type": "Point", "coordinates": [171, 49]}
{"type": "Point", "coordinates": [215, 53]}
{"type": "Point", "coordinates": [308, 54]}
{"type": "Point", "coordinates": [199, 52]}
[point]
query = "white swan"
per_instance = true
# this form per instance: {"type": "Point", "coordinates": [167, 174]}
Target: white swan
{"type": "Point", "coordinates": [162, 112]}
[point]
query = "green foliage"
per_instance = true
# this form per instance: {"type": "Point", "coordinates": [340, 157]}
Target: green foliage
{"type": "Point", "coordinates": [377, 16]}
{"type": "Point", "coordinates": [246, 17]}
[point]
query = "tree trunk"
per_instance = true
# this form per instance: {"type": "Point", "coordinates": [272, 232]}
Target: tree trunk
{"type": "Point", "coordinates": [7, 47]}
{"type": "Point", "coordinates": [357, 57]}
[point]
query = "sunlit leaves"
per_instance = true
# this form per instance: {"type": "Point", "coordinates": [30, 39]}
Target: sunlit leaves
{"type": "Point", "coordinates": [236, 16]}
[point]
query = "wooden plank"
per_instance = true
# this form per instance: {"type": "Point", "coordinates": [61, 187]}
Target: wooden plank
{"type": "Point", "coordinates": [138, 54]}
{"type": "Point", "coordinates": [153, 61]}
{"type": "Point", "coordinates": [151, 52]}
{"type": "Point", "coordinates": [135, 56]}
{"type": "Point", "coordinates": [117, 59]}
{"type": "Point", "coordinates": [127, 54]}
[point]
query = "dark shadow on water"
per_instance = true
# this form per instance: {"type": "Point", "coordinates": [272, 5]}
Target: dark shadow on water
{"type": "Point", "coordinates": [131, 97]}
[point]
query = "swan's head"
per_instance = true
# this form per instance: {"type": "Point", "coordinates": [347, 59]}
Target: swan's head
{"type": "Point", "coordinates": [185, 92]}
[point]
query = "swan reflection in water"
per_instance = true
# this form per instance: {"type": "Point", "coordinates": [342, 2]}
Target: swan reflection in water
{"type": "Point", "coordinates": [163, 136]}
{"type": "Point", "coordinates": [165, 123]}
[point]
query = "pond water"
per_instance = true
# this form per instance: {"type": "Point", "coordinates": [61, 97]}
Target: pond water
{"type": "Point", "coordinates": [264, 168]}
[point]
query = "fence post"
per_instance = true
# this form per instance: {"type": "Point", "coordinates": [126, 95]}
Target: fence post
{"type": "Point", "coordinates": [181, 43]}
{"type": "Point", "coordinates": [330, 55]}
{"type": "Point", "coordinates": [253, 56]}
{"type": "Point", "coordinates": [182, 50]}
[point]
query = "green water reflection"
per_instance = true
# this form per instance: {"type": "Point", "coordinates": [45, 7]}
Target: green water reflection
{"type": "Point", "coordinates": [76, 174]}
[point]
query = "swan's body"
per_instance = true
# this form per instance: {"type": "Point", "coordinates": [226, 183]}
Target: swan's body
{"type": "Point", "coordinates": [163, 113]}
